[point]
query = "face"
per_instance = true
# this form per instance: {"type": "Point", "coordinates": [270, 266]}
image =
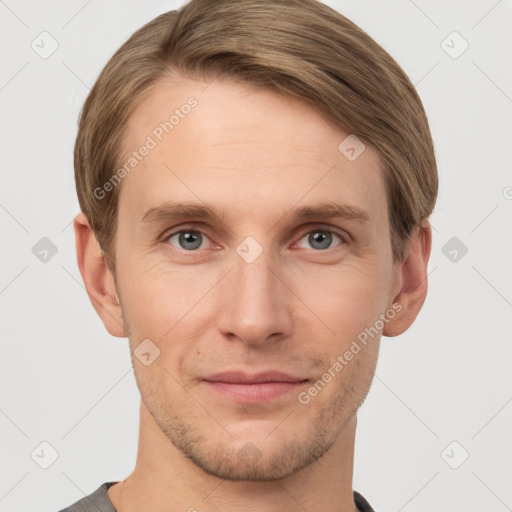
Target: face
{"type": "Point", "coordinates": [252, 254]}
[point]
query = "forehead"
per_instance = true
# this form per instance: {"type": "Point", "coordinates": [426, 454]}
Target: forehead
{"type": "Point", "coordinates": [247, 150]}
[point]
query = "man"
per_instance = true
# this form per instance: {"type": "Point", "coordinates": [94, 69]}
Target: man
{"type": "Point", "coordinates": [255, 179]}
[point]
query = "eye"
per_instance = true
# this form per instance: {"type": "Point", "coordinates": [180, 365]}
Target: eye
{"type": "Point", "coordinates": [191, 240]}
{"type": "Point", "coordinates": [320, 239]}
{"type": "Point", "coordinates": [188, 239]}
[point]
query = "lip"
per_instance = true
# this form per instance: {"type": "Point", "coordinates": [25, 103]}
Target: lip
{"type": "Point", "coordinates": [259, 387]}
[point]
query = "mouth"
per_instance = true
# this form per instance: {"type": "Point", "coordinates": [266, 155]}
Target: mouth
{"type": "Point", "coordinates": [260, 387]}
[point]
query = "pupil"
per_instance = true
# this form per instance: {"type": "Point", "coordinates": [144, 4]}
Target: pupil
{"type": "Point", "coordinates": [191, 240]}
{"type": "Point", "coordinates": [323, 238]}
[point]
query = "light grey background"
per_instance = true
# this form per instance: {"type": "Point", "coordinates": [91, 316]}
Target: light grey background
{"type": "Point", "coordinates": [67, 382]}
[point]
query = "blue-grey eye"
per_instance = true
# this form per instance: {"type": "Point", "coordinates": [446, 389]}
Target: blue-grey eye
{"type": "Point", "coordinates": [320, 239]}
{"type": "Point", "coordinates": [188, 240]}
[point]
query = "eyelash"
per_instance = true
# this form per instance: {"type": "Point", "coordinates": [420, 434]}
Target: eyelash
{"type": "Point", "coordinates": [343, 237]}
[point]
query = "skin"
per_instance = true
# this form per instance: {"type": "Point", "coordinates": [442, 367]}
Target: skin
{"type": "Point", "coordinates": [255, 155]}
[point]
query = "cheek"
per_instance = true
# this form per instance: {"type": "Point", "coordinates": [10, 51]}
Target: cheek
{"type": "Point", "coordinates": [156, 296]}
{"type": "Point", "coordinates": [344, 300]}
{"type": "Point", "coordinates": [334, 303]}
{"type": "Point", "coordinates": [171, 308]}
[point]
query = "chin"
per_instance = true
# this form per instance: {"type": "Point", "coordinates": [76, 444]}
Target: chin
{"type": "Point", "coordinates": [247, 457]}
{"type": "Point", "coordinates": [249, 463]}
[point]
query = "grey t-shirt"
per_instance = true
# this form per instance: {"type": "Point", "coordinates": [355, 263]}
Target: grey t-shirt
{"type": "Point", "coordinates": [99, 501]}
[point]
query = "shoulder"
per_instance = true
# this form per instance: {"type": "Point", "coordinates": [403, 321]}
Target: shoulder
{"type": "Point", "coordinates": [98, 501]}
{"type": "Point", "coordinates": [361, 503]}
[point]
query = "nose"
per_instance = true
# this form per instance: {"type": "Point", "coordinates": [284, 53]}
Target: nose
{"type": "Point", "coordinates": [255, 302]}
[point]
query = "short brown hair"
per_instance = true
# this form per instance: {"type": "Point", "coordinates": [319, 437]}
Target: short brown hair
{"type": "Point", "coordinates": [299, 48]}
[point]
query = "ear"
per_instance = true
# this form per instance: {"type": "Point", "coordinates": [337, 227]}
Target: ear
{"type": "Point", "coordinates": [413, 278]}
{"type": "Point", "coordinates": [98, 279]}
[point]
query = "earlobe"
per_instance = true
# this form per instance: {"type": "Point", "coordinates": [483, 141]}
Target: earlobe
{"type": "Point", "coordinates": [97, 278]}
{"type": "Point", "coordinates": [414, 279]}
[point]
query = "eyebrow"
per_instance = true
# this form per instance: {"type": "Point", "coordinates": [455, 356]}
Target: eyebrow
{"type": "Point", "coordinates": [169, 212]}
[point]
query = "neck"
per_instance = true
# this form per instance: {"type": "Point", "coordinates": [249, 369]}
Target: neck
{"type": "Point", "coordinates": [164, 480]}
